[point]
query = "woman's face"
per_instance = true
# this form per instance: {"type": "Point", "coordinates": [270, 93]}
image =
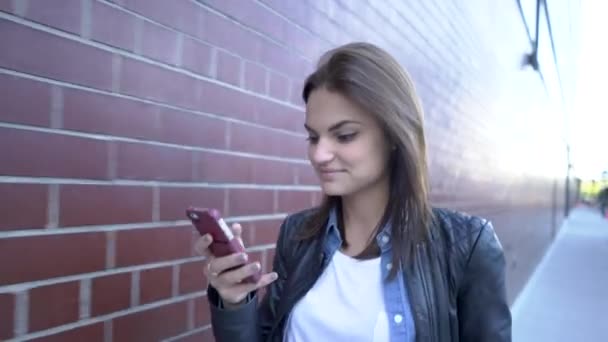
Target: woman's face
{"type": "Point", "coordinates": [347, 147]}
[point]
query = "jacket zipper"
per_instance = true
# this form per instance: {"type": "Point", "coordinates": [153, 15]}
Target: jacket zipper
{"type": "Point", "coordinates": [427, 296]}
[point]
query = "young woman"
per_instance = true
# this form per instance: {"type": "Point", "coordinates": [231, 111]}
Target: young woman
{"type": "Point", "coordinates": [374, 262]}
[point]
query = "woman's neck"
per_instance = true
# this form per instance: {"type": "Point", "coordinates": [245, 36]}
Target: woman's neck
{"type": "Point", "coordinates": [362, 212]}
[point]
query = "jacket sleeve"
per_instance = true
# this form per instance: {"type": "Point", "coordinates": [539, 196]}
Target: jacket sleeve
{"type": "Point", "coordinates": [252, 321]}
{"type": "Point", "coordinates": [483, 311]}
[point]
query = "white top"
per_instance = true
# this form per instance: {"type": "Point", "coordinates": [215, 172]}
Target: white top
{"type": "Point", "coordinates": [345, 304]}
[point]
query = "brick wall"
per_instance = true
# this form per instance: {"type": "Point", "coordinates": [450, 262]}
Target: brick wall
{"type": "Point", "coordinates": [117, 115]}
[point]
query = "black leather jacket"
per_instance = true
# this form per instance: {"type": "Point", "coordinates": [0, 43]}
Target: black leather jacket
{"type": "Point", "coordinates": [456, 286]}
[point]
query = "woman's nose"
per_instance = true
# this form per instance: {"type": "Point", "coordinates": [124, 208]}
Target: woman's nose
{"type": "Point", "coordinates": [322, 152]}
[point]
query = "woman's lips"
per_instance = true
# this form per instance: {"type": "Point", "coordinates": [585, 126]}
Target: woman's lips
{"type": "Point", "coordinates": [328, 175]}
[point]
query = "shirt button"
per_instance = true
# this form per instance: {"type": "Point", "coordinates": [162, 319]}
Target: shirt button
{"type": "Point", "coordinates": [389, 266]}
{"type": "Point", "coordinates": [385, 239]}
{"type": "Point", "coordinates": [398, 319]}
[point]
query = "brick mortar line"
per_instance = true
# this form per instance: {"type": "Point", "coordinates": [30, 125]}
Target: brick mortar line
{"type": "Point", "coordinates": [131, 226]}
{"type": "Point", "coordinates": [26, 286]}
{"type": "Point", "coordinates": [85, 298]}
{"type": "Point", "coordinates": [150, 142]}
{"type": "Point", "coordinates": [100, 319]}
{"type": "Point", "coordinates": [175, 280]}
{"type": "Point", "coordinates": [210, 9]}
{"type": "Point", "coordinates": [187, 333]}
{"type": "Point", "coordinates": [127, 54]}
{"type": "Point", "coordinates": [294, 24]}
{"type": "Point", "coordinates": [21, 324]}
{"type": "Point", "coordinates": [439, 37]}
{"type": "Point", "coordinates": [150, 102]}
{"type": "Point", "coordinates": [378, 34]}
{"type": "Point", "coordinates": [250, 29]}
{"type": "Point", "coordinates": [146, 183]}
{"type": "Point", "coordinates": [108, 328]}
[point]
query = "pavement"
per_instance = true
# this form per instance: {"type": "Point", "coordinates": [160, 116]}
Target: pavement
{"type": "Point", "coordinates": [566, 298]}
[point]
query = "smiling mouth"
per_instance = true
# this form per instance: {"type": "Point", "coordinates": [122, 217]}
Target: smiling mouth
{"type": "Point", "coordinates": [329, 174]}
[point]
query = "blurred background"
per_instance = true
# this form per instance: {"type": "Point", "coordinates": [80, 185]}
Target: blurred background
{"type": "Point", "coordinates": [115, 116]}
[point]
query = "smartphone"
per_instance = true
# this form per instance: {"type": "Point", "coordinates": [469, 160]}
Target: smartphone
{"type": "Point", "coordinates": [209, 221]}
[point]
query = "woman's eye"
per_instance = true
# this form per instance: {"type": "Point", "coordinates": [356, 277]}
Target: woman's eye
{"type": "Point", "coordinates": [312, 140]}
{"type": "Point", "coordinates": [344, 138]}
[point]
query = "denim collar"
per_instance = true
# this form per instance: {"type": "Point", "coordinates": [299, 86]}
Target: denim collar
{"type": "Point", "coordinates": [332, 233]}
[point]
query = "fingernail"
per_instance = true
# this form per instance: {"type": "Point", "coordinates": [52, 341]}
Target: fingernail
{"type": "Point", "coordinates": [257, 266]}
{"type": "Point", "coordinates": [243, 257]}
{"type": "Point", "coordinates": [206, 238]}
{"type": "Point", "coordinates": [273, 276]}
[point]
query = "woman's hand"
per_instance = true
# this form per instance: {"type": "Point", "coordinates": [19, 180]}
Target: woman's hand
{"type": "Point", "coordinates": [227, 281]}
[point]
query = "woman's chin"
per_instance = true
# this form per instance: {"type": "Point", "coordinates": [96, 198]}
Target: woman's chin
{"type": "Point", "coordinates": [333, 189]}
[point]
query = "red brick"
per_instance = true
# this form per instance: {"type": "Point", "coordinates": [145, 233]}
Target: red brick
{"type": "Point", "coordinates": [54, 57]}
{"type": "Point", "coordinates": [307, 175]}
{"type": "Point", "coordinates": [151, 325]}
{"type": "Point", "coordinates": [221, 100]}
{"type": "Point", "coordinates": [196, 56]}
{"type": "Point", "coordinates": [110, 293]}
{"type": "Point", "coordinates": [104, 204]}
{"type": "Point", "coordinates": [265, 232]}
{"type": "Point", "coordinates": [27, 207]}
{"type": "Point", "coordinates": [191, 277]}
{"type": "Point", "coordinates": [155, 284]}
{"type": "Point", "coordinates": [309, 45]}
{"type": "Point", "coordinates": [149, 162]}
{"type": "Point", "coordinates": [224, 33]}
{"type": "Point", "coordinates": [54, 305]}
{"type": "Point", "coordinates": [35, 111]}
{"type": "Point", "coordinates": [264, 141]}
{"type": "Point", "coordinates": [7, 312]}
{"type": "Point", "coordinates": [256, 257]}
{"type": "Point", "coordinates": [293, 201]}
{"type": "Point", "coordinates": [272, 172]}
{"type": "Point", "coordinates": [144, 246]}
{"type": "Point", "coordinates": [228, 68]}
{"type": "Point", "coordinates": [38, 154]}
{"type": "Point", "coordinates": [89, 333]}
{"type": "Point", "coordinates": [150, 82]}
{"type": "Point", "coordinates": [185, 128]}
{"type": "Point", "coordinates": [98, 113]}
{"type": "Point", "coordinates": [158, 43]}
{"type": "Point", "coordinates": [275, 115]}
{"type": "Point", "coordinates": [279, 86]}
{"type": "Point", "coordinates": [255, 77]}
{"type": "Point", "coordinates": [300, 13]}
{"type": "Point", "coordinates": [270, 254]}
{"type": "Point", "coordinates": [296, 93]}
{"type": "Point", "coordinates": [214, 167]}
{"type": "Point", "coordinates": [182, 15]}
{"type": "Point", "coordinates": [61, 14]}
{"type": "Point", "coordinates": [202, 315]}
{"type": "Point", "coordinates": [112, 26]}
{"type": "Point", "coordinates": [250, 202]}
{"type": "Point", "coordinates": [280, 59]}
{"type": "Point", "coordinates": [175, 200]}
{"type": "Point", "coordinates": [200, 336]}
{"type": "Point", "coordinates": [66, 251]}
{"type": "Point", "coordinates": [6, 6]}
{"type": "Point", "coordinates": [254, 15]}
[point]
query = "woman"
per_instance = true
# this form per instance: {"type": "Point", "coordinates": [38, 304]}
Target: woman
{"type": "Point", "coordinates": [375, 262]}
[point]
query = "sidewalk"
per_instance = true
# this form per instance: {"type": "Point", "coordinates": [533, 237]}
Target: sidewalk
{"type": "Point", "coordinates": [567, 297]}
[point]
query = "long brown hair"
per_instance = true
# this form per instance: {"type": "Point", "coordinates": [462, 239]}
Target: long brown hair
{"type": "Point", "coordinates": [371, 78]}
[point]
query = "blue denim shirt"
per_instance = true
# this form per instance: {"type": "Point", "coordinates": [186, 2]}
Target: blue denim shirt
{"type": "Point", "coordinates": [396, 300]}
